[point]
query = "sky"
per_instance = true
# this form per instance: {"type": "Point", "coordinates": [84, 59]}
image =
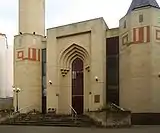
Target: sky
{"type": "Point", "coordinates": [60, 12]}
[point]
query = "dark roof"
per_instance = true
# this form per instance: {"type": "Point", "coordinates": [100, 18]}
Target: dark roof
{"type": "Point", "coordinates": [142, 3]}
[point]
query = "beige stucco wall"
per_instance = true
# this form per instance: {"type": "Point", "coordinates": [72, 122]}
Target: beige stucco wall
{"type": "Point", "coordinates": [27, 73]}
{"type": "Point", "coordinates": [90, 36]}
{"type": "Point", "coordinates": [112, 32]}
{"type": "Point", "coordinates": [139, 65]}
{"type": "Point", "coordinates": [155, 62]}
{"type": "Point", "coordinates": [32, 16]}
{"type": "Point", "coordinates": [124, 65]}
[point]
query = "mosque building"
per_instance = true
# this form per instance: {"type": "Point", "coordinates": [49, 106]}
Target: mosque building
{"type": "Point", "coordinates": [86, 65]}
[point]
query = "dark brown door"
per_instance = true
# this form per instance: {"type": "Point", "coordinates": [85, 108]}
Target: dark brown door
{"type": "Point", "coordinates": [44, 104]}
{"type": "Point", "coordinates": [77, 85]}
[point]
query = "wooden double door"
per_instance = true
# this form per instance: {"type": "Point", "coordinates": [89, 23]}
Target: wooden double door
{"type": "Point", "coordinates": [77, 86]}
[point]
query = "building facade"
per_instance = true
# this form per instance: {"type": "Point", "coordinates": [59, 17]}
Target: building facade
{"type": "Point", "coordinates": [9, 90]}
{"type": "Point", "coordinates": [86, 65]}
{"type": "Point", "coordinates": [6, 67]}
{"type": "Point", "coordinates": [3, 71]}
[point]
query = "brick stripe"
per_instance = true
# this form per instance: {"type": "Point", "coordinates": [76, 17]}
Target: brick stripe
{"type": "Point", "coordinates": [141, 34]}
{"type": "Point", "coordinates": [29, 53]}
{"type": "Point", "coordinates": [20, 54]}
{"type": "Point", "coordinates": [34, 54]}
{"type": "Point", "coordinates": [134, 35]}
{"type": "Point", "coordinates": [137, 35]}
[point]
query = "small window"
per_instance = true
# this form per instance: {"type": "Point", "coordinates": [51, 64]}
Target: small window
{"type": "Point", "coordinates": [97, 99]}
{"type": "Point", "coordinates": [125, 24]}
{"type": "Point", "coordinates": [140, 18]}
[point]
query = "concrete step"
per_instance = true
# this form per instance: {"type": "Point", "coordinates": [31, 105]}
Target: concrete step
{"type": "Point", "coordinates": [51, 120]}
{"type": "Point", "coordinates": [55, 120]}
{"type": "Point", "coordinates": [52, 123]}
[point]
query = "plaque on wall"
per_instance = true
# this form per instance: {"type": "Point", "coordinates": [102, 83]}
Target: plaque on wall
{"type": "Point", "coordinates": [96, 98]}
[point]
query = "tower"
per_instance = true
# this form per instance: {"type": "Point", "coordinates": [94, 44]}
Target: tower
{"type": "Point", "coordinates": [139, 57]}
{"type": "Point", "coordinates": [27, 55]}
{"type": "Point", "coordinates": [32, 16]}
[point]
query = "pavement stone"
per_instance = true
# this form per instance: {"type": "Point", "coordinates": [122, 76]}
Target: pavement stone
{"type": "Point", "coordinates": [38, 129]}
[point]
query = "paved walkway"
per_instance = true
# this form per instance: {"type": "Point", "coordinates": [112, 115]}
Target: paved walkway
{"type": "Point", "coordinates": [32, 129]}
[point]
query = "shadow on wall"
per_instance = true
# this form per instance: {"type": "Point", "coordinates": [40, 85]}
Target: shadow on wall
{"type": "Point", "coordinates": [6, 103]}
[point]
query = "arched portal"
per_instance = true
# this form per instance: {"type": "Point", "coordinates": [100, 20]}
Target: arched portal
{"type": "Point", "coordinates": [77, 85]}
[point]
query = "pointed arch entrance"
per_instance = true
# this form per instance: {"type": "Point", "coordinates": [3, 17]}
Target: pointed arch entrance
{"type": "Point", "coordinates": [77, 85]}
{"type": "Point", "coordinates": [73, 82]}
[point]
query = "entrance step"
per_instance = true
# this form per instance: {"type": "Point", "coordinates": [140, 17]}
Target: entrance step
{"type": "Point", "coordinates": [39, 119]}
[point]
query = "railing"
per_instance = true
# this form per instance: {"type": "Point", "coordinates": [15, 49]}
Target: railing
{"type": "Point", "coordinates": [116, 106]}
{"type": "Point", "coordinates": [28, 108]}
{"type": "Point", "coordinates": [25, 109]}
{"type": "Point", "coordinates": [73, 113]}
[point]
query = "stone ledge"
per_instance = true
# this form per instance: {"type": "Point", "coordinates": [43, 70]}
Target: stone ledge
{"type": "Point", "coordinates": [111, 119]}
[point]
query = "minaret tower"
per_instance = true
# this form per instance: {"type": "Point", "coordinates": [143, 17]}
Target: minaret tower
{"type": "Point", "coordinates": [140, 57]}
{"type": "Point", "coordinates": [32, 16]}
{"type": "Point", "coordinates": [27, 55]}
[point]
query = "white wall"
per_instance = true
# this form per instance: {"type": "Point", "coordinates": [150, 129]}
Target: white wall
{"type": "Point", "coordinates": [6, 68]}
{"type": "Point", "coordinates": [9, 92]}
{"type": "Point", "coordinates": [2, 66]}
